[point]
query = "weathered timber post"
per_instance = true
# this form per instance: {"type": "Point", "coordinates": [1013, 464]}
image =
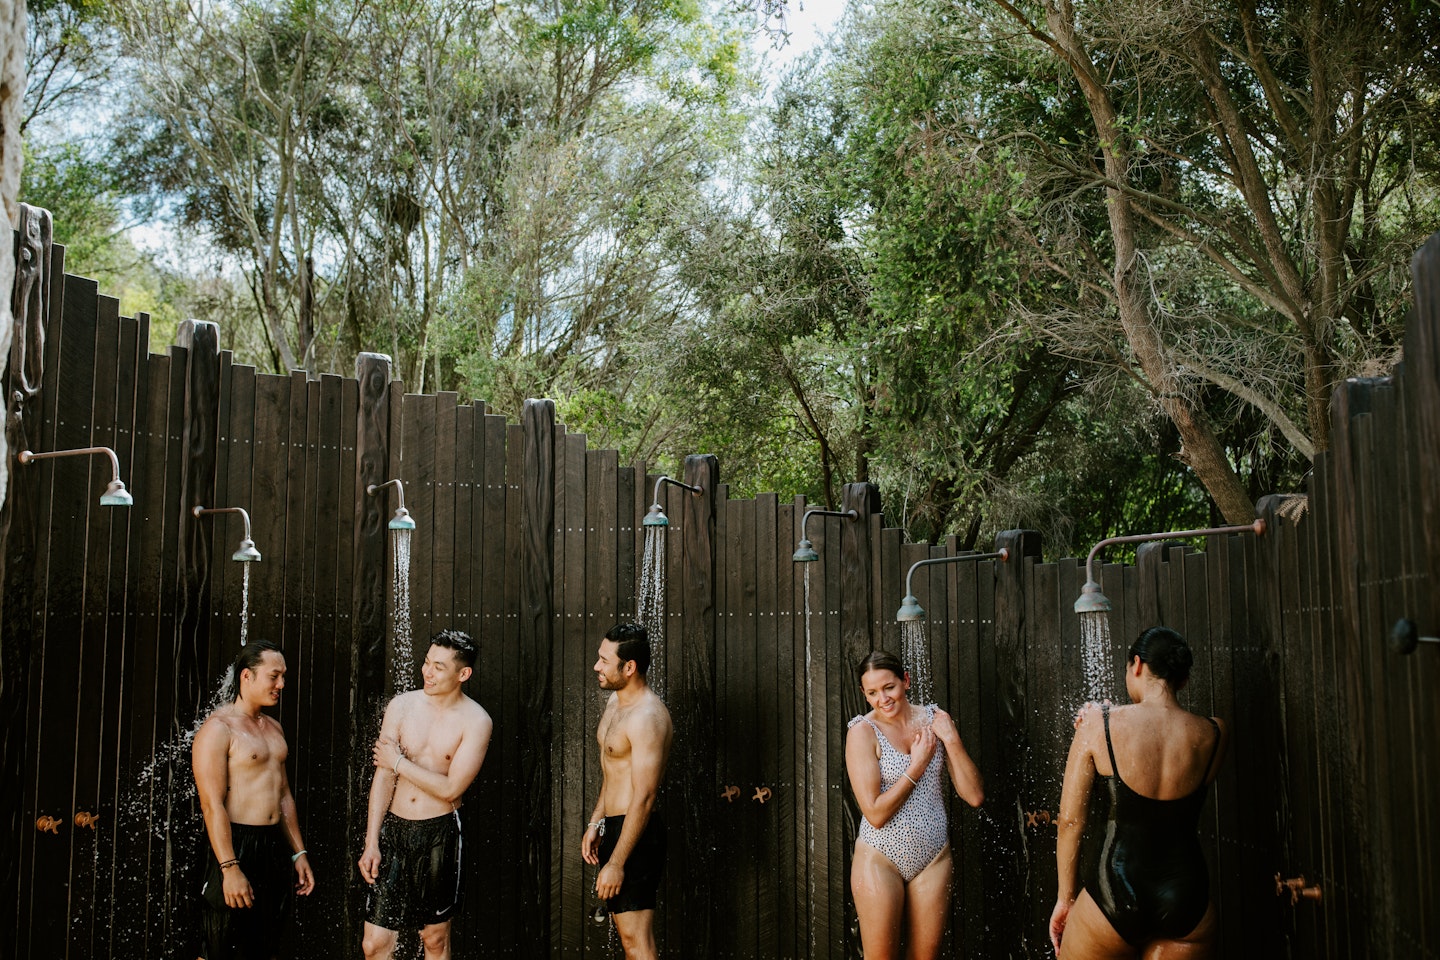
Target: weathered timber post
{"type": "Point", "coordinates": [693, 754]}
{"type": "Point", "coordinates": [1149, 564]}
{"type": "Point", "coordinates": [857, 639]}
{"type": "Point", "coordinates": [367, 604]}
{"type": "Point", "coordinates": [200, 438]}
{"type": "Point", "coordinates": [30, 309]}
{"type": "Point", "coordinates": [1422, 367]}
{"type": "Point", "coordinates": [1005, 745]}
{"type": "Point", "coordinates": [537, 601]}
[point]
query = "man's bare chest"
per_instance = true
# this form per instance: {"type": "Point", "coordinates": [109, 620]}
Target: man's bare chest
{"type": "Point", "coordinates": [430, 736]}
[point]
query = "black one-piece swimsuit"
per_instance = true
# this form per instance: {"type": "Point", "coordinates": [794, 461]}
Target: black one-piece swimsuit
{"type": "Point", "coordinates": [1151, 882]}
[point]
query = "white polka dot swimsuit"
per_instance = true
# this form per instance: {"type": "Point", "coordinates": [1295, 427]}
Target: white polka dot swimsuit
{"type": "Point", "coordinates": [918, 831]}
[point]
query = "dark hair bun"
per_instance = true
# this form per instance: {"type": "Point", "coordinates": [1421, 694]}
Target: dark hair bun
{"type": "Point", "coordinates": [1166, 653]}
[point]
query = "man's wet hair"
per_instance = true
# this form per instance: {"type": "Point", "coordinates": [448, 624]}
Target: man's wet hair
{"type": "Point", "coordinates": [1166, 653]}
{"type": "Point", "coordinates": [880, 660]}
{"type": "Point", "coordinates": [460, 642]}
{"type": "Point", "coordinates": [631, 643]}
{"type": "Point", "coordinates": [249, 659]}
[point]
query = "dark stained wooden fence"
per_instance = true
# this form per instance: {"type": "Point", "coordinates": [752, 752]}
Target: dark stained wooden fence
{"type": "Point", "coordinates": [117, 625]}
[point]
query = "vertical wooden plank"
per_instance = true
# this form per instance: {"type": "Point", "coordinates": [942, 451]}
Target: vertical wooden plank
{"type": "Point", "coordinates": [1003, 713]}
{"type": "Point", "coordinates": [462, 548]}
{"type": "Point", "coordinates": [775, 691]}
{"type": "Point", "coordinates": [171, 777]}
{"type": "Point", "coordinates": [968, 631]}
{"type": "Point", "coordinates": [693, 755]}
{"type": "Point", "coordinates": [1053, 612]}
{"type": "Point", "coordinates": [89, 722]}
{"type": "Point", "coordinates": [1383, 604]}
{"type": "Point", "coordinates": [1223, 819]}
{"type": "Point", "coordinates": [1344, 716]}
{"type": "Point", "coordinates": [571, 714]}
{"type": "Point", "coordinates": [133, 909]}
{"type": "Point", "coordinates": [365, 654]}
{"type": "Point", "coordinates": [317, 776]}
{"type": "Point", "coordinates": [805, 856]}
{"type": "Point", "coordinates": [119, 640]}
{"type": "Point", "coordinates": [536, 640]}
{"type": "Point", "coordinates": [418, 467]}
{"type": "Point", "coordinates": [55, 696]}
{"type": "Point", "coordinates": [1421, 675]}
{"type": "Point", "coordinates": [200, 433]}
{"type": "Point", "coordinates": [442, 570]}
{"type": "Point", "coordinates": [505, 465]}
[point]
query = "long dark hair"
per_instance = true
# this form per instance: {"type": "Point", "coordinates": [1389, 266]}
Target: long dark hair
{"type": "Point", "coordinates": [249, 659]}
{"type": "Point", "coordinates": [880, 660]}
{"type": "Point", "coordinates": [1166, 653]}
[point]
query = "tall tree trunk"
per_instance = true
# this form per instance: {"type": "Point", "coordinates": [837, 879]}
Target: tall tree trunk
{"type": "Point", "coordinates": [1200, 448]}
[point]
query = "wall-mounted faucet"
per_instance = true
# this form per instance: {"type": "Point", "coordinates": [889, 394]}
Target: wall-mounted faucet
{"type": "Point", "coordinates": [1091, 600]}
{"type": "Point", "coordinates": [402, 519]}
{"type": "Point", "coordinates": [910, 608]}
{"type": "Point", "coordinates": [655, 516]}
{"type": "Point", "coordinates": [246, 552]}
{"type": "Point", "coordinates": [805, 550]}
{"type": "Point", "coordinates": [115, 494]}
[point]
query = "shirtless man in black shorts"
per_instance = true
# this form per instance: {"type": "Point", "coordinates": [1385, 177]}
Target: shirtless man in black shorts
{"type": "Point", "coordinates": [432, 743]}
{"type": "Point", "coordinates": [256, 858]}
{"type": "Point", "coordinates": [626, 833]}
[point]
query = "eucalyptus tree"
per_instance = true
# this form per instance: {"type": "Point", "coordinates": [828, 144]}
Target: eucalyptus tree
{"type": "Point", "coordinates": [70, 54]}
{"type": "Point", "coordinates": [1264, 173]}
{"type": "Point", "coordinates": [230, 102]}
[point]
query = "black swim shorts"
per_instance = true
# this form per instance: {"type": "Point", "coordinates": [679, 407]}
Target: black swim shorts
{"type": "Point", "coordinates": [249, 933]}
{"type": "Point", "coordinates": [642, 868]}
{"type": "Point", "coordinates": [419, 881]}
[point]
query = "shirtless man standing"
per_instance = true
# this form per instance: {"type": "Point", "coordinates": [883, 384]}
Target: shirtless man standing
{"type": "Point", "coordinates": [432, 743]}
{"type": "Point", "coordinates": [626, 833]}
{"type": "Point", "coordinates": [257, 857]}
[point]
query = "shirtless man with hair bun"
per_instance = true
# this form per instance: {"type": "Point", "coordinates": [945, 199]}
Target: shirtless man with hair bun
{"type": "Point", "coordinates": [256, 859]}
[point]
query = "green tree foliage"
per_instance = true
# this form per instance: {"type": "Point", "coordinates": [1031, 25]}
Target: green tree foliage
{"type": "Point", "coordinates": [483, 192]}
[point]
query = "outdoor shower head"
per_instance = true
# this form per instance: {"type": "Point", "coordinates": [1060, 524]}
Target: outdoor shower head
{"type": "Point", "coordinates": [805, 550]}
{"type": "Point", "coordinates": [246, 552]}
{"type": "Point", "coordinates": [1091, 600]}
{"type": "Point", "coordinates": [402, 519]}
{"type": "Point", "coordinates": [910, 608]}
{"type": "Point", "coordinates": [655, 516]}
{"type": "Point", "coordinates": [115, 494]}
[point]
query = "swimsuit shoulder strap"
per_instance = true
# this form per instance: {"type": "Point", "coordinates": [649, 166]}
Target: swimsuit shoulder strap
{"type": "Point", "coordinates": [1114, 767]}
{"type": "Point", "coordinates": [1214, 749]}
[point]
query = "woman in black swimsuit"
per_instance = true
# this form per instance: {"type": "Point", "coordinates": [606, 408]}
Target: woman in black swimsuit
{"type": "Point", "coordinates": [1150, 893]}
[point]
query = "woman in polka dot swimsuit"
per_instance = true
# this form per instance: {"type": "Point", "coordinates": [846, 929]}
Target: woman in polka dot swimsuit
{"type": "Point", "coordinates": [896, 756]}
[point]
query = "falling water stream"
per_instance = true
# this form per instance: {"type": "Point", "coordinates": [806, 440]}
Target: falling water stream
{"type": "Point", "coordinates": [245, 604]}
{"type": "Point", "coordinates": [650, 608]}
{"type": "Point", "coordinates": [809, 761]}
{"type": "Point", "coordinates": [915, 654]}
{"type": "Point", "coordinates": [1095, 654]}
{"type": "Point", "coordinates": [404, 649]}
